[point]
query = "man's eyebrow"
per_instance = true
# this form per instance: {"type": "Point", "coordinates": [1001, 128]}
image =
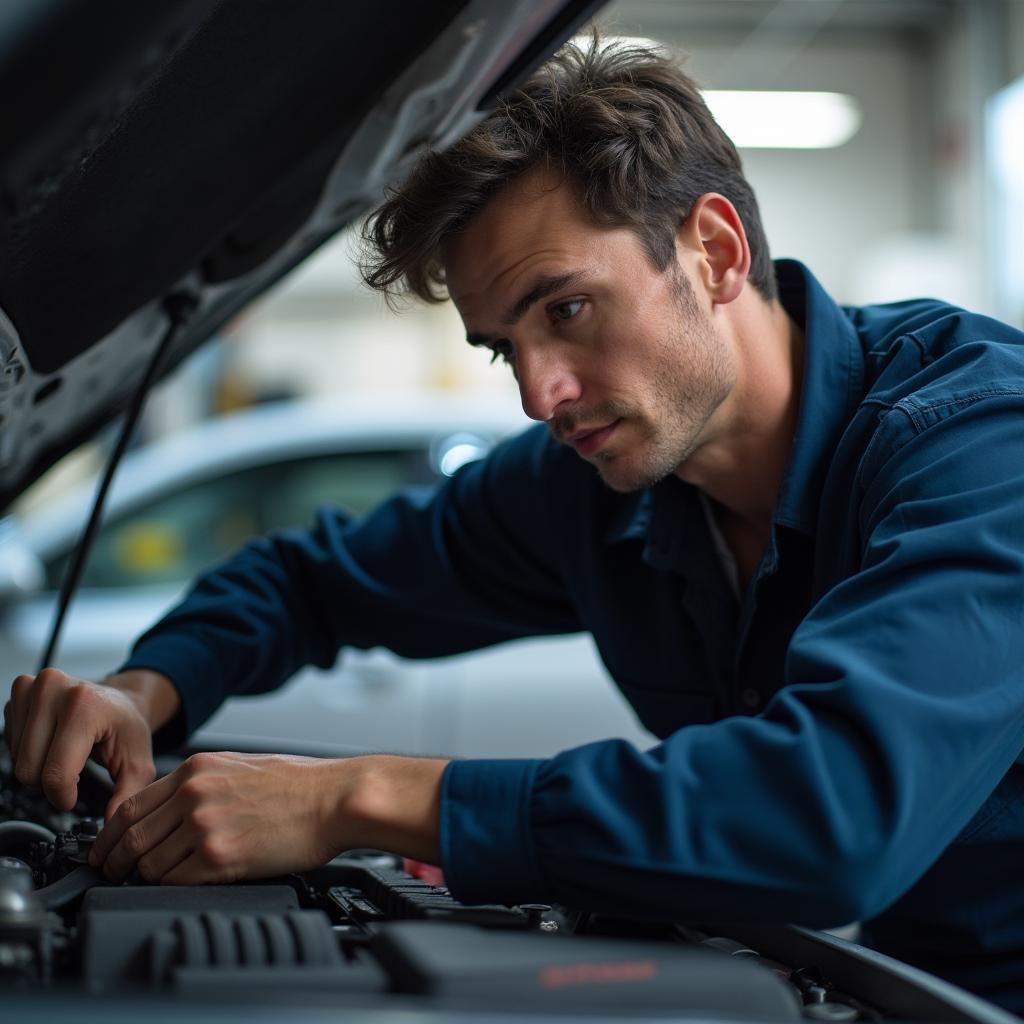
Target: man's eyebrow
{"type": "Point", "coordinates": [540, 289]}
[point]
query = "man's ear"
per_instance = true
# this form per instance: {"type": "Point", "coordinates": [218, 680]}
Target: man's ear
{"type": "Point", "coordinates": [713, 234]}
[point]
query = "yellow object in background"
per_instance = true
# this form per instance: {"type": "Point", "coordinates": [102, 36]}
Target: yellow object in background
{"type": "Point", "coordinates": [148, 548]}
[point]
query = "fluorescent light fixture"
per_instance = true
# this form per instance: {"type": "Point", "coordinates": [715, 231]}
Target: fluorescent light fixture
{"type": "Point", "coordinates": [785, 120]}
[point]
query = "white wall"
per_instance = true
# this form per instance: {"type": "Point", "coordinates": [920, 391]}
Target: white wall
{"type": "Point", "coordinates": [827, 207]}
{"type": "Point", "coordinates": [322, 331]}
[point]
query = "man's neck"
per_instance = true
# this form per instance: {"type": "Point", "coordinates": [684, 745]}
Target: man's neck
{"type": "Point", "coordinates": [740, 467]}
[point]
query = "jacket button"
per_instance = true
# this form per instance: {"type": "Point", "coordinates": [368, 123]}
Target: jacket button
{"type": "Point", "coordinates": [750, 698]}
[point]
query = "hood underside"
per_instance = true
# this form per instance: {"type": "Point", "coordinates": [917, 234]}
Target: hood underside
{"type": "Point", "coordinates": [204, 149]}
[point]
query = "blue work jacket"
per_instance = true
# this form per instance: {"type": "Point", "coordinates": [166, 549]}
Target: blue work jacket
{"type": "Point", "coordinates": [840, 744]}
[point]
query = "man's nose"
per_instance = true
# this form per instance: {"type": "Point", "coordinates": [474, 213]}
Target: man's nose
{"type": "Point", "coordinates": [545, 382]}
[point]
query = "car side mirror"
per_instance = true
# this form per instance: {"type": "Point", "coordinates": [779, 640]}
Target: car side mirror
{"type": "Point", "coordinates": [21, 571]}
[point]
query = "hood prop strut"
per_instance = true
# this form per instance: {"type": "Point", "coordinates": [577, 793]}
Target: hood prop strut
{"type": "Point", "coordinates": [179, 307]}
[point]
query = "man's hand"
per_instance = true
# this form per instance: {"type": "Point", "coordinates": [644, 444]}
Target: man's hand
{"type": "Point", "coordinates": [224, 817]}
{"type": "Point", "coordinates": [54, 722]}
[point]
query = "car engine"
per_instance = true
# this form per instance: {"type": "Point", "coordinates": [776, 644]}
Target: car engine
{"type": "Point", "coordinates": [363, 932]}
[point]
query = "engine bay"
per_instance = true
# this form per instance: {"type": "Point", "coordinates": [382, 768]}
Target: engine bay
{"type": "Point", "coordinates": [365, 933]}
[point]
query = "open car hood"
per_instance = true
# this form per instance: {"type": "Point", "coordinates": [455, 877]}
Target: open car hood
{"type": "Point", "coordinates": [205, 148]}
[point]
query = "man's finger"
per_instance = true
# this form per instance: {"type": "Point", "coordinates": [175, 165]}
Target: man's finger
{"type": "Point", "coordinates": [188, 872]}
{"type": "Point", "coordinates": [72, 744]}
{"type": "Point", "coordinates": [16, 712]}
{"type": "Point", "coordinates": [132, 809]}
{"type": "Point", "coordinates": [154, 865]}
{"type": "Point", "coordinates": [194, 870]}
{"type": "Point", "coordinates": [143, 838]}
{"type": "Point", "coordinates": [130, 780]}
{"type": "Point", "coordinates": [35, 744]}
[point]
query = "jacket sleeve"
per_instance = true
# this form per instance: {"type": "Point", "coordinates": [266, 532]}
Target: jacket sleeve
{"type": "Point", "coordinates": [903, 707]}
{"type": "Point", "coordinates": [426, 574]}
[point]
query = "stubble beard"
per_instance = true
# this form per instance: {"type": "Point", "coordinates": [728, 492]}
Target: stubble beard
{"type": "Point", "coordinates": [695, 374]}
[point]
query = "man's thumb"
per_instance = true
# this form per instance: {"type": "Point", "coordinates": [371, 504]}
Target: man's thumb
{"type": "Point", "coordinates": [127, 784]}
{"type": "Point", "coordinates": [120, 794]}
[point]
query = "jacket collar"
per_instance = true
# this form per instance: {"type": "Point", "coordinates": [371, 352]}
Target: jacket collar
{"type": "Point", "coordinates": [832, 387]}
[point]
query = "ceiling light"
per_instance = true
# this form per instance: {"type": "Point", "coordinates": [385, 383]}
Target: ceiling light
{"type": "Point", "coordinates": [785, 120]}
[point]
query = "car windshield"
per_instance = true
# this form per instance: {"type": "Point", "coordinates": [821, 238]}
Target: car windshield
{"type": "Point", "coordinates": [172, 535]}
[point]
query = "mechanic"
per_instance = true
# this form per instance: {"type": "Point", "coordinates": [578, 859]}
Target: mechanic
{"type": "Point", "coordinates": [795, 531]}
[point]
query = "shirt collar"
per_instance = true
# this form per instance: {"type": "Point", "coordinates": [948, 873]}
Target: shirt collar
{"type": "Point", "coordinates": [832, 384]}
{"type": "Point", "coordinates": [631, 518]}
{"type": "Point", "coordinates": [664, 517]}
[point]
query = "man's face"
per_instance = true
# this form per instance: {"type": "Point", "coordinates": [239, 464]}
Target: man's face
{"type": "Point", "coordinates": [619, 360]}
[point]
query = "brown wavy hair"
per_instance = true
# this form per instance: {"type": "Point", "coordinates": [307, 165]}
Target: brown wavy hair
{"type": "Point", "coordinates": [620, 121]}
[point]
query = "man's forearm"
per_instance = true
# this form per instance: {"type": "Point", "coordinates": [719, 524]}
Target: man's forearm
{"type": "Point", "coordinates": [388, 803]}
{"type": "Point", "coordinates": [152, 692]}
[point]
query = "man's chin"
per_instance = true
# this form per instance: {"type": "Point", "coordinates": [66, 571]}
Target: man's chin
{"type": "Point", "coordinates": [623, 478]}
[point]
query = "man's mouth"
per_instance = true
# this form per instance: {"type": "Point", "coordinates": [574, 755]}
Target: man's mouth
{"type": "Point", "coordinates": [591, 440]}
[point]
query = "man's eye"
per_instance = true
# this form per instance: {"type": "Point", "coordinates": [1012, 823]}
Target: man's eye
{"type": "Point", "coordinates": [566, 310]}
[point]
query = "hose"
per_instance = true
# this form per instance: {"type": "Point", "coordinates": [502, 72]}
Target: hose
{"type": "Point", "coordinates": [12, 833]}
{"type": "Point", "coordinates": [70, 887]}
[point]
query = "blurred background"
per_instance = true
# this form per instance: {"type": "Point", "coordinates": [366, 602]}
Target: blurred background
{"type": "Point", "coordinates": [896, 171]}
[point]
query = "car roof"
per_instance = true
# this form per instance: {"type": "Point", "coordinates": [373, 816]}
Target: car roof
{"type": "Point", "coordinates": [271, 433]}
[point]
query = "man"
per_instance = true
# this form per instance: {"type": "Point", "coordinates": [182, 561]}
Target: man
{"type": "Point", "coordinates": [796, 532]}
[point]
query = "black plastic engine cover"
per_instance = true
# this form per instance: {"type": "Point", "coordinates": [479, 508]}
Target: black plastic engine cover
{"type": "Point", "coordinates": [585, 974]}
{"type": "Point", "coordinates": [148, 935]}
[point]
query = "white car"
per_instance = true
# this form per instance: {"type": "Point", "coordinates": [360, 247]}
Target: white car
{"type": "Point", "coordinates": [182, 504]}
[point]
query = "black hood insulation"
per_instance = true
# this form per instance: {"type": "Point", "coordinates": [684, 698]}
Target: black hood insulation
{"type": "Point", "coordinates": [208, 148]}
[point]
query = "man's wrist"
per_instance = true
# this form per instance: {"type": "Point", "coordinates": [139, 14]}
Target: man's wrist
{"type": "Point", "coordinates": [151, 692]}
{"type": "Point", "coordinates": [388, 803]}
